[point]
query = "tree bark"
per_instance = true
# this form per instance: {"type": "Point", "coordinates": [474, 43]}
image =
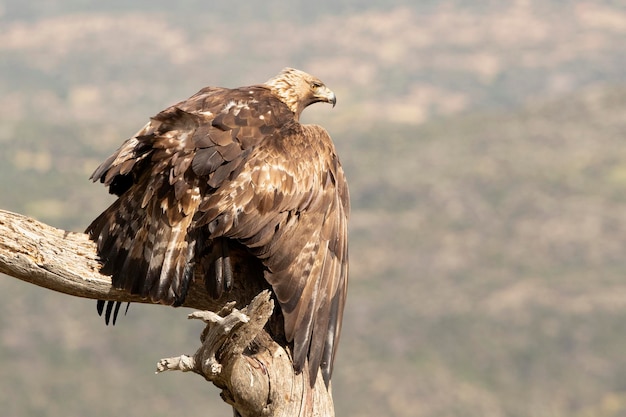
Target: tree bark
{"type": "Point", "coordinates": [238, 354]}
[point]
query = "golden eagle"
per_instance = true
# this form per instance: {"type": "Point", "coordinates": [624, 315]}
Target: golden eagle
{"type": "Point", "coordinates": [226, 168]}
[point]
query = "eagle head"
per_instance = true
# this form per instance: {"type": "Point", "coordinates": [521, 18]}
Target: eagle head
{"type": "Point", "coordinates": [297, 90]}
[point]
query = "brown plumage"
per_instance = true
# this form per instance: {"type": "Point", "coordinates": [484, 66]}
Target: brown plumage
{"type": "Point", "coordinates": [234, 167]}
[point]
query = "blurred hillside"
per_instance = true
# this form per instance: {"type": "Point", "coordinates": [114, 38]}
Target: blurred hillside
{"type": "Point", "coordinates": [484, 148]}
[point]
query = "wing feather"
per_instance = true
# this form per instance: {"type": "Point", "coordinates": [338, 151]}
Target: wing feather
{"type": "Point", "coordinates": [295, 222]}
{"type": "Point", "coordinates": [146, 237]}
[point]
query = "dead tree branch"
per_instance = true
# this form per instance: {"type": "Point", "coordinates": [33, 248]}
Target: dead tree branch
{"type": "Point", "coordinates": [237, 354]}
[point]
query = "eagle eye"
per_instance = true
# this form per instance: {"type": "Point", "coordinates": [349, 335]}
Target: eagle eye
{"type": "Point", "coordinates": [315, 85]}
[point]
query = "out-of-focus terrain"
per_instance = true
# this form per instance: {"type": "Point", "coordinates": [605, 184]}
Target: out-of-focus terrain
{"type": "Point", "coordinates": [484, 145]}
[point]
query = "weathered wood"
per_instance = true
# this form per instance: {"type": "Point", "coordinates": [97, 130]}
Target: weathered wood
{"type": "Point", "coordinates": [237, 354]}
{"type": "Point", "coordinates": [255, 373]}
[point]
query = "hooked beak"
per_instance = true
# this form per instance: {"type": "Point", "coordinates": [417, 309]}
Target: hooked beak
{"type": "Point", "coordinates": [332, 99]}
{"type": "Point", "coordinates": [328, 96]}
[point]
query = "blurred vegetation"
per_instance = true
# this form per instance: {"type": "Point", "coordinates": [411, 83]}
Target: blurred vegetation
{"type": "Point", "coordinates": [484, 148]}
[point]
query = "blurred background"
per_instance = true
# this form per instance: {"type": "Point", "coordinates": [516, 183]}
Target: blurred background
{"type": "Point", "coordinates": [484, 146]}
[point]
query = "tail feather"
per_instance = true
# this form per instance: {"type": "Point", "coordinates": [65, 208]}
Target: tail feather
{"type": "Point", "coordinates": [107, 315]}
{"type": "Point", "coordinates": [110, 310]}
{"type": "Point", "coordinates": [217, 268]}
{"type": "Point", "coordinates": [100, 306]}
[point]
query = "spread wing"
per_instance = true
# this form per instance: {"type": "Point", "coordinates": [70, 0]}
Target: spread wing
{"type": "Point", "coordinates": [289, 206]}
{"type": "Point", "coordinates": [147, 238]}
{"type": "Point", "coordinates": [143, 237]}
